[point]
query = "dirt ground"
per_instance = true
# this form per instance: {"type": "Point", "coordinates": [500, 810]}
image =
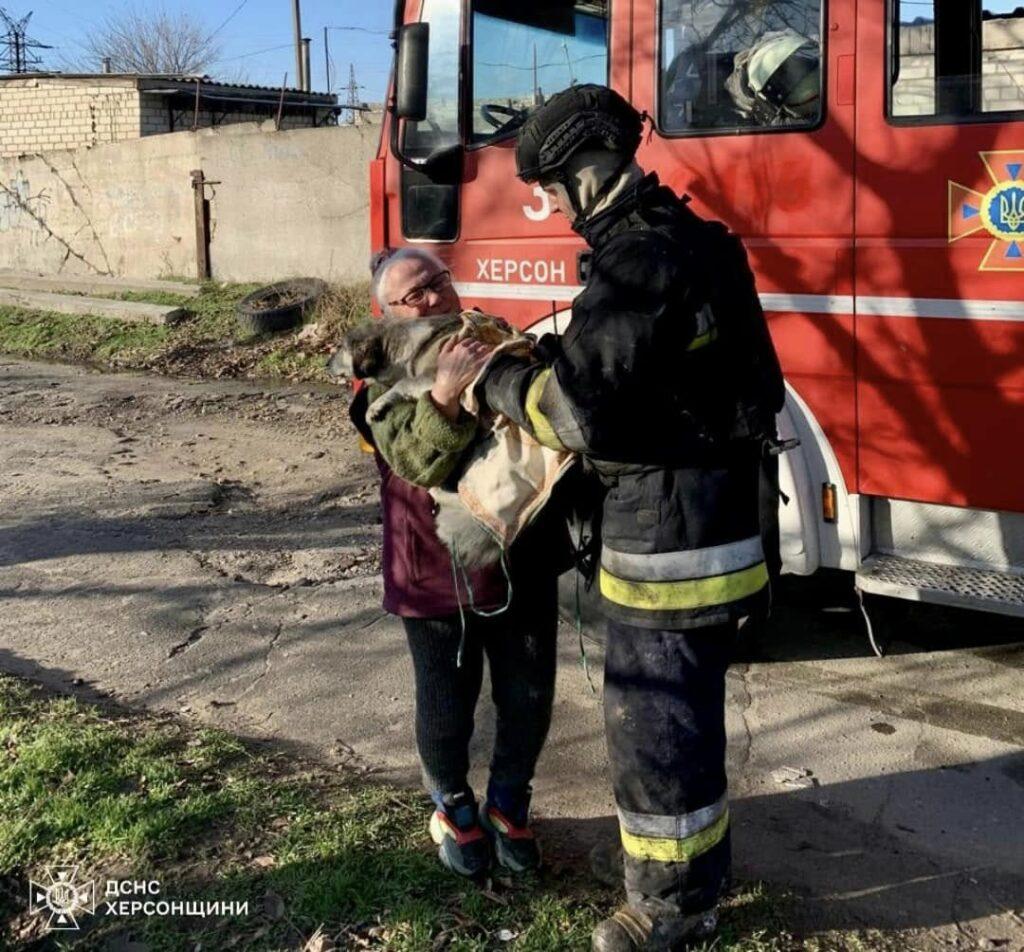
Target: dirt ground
{"type": "Point", "coordinates": [212, 548]}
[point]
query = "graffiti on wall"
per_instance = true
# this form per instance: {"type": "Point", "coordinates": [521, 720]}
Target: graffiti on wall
{"type": "Point", "coordinates": [19, 208]}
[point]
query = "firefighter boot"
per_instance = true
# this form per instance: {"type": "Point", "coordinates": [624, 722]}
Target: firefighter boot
{"type": "Point", "coordinates": [653, 926]}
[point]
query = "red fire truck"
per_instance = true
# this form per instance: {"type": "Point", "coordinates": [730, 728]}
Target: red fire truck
{"type": "Point", "coordinates": [870, 153]}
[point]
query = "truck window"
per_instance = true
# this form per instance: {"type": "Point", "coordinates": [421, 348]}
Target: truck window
{"type": "Point", "coordinates": [524, 52]}
{"type": "Point", "coordinates": [956, 61]}
{"type": "Point", "coordinates": [735, 65]}
{"type": "Point", "coordinates": [430, 205]}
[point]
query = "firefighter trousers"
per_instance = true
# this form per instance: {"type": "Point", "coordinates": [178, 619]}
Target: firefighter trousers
{"type": "Point", "coordinates": [664, 707]}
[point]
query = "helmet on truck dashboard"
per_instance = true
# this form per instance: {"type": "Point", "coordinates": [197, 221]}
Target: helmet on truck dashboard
{"type": "Point", "coordinates": [778, 79]}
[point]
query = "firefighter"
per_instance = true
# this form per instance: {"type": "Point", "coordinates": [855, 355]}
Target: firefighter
{"type": "Point", "coordinates": [664, 381]}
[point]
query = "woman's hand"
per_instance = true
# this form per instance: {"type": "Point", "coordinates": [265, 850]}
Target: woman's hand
{"type": "Point", "coordinates": [458, 363]}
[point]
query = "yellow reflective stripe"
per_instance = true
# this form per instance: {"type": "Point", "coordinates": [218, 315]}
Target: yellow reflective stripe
{"type": "Point", "coordinates": [542, 428]}
{"type": "Point", "coordinates": [690, 593]}
{"type": "Point", "coordinates": [702, 340]}
{"type": "Point", "coordinates": [672, 850]}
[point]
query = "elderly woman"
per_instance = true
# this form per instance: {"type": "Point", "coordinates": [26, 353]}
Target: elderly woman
{"type": "Point", "coordinates": [418, 444]}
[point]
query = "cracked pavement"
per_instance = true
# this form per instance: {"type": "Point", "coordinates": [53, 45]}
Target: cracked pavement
{"type": "Point", "coordinates": [212, 549]}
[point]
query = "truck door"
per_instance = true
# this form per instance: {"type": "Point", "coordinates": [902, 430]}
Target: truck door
{"type": "Point", "coordinates": [940, 251]}
{"type": "Point", "coordinates": [753, 105]}
{"type": "Point", "coordinates": [515, 256]}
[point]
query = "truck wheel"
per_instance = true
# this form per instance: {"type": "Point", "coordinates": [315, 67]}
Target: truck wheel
{"type": "Point", "coordinates": [280, 306]}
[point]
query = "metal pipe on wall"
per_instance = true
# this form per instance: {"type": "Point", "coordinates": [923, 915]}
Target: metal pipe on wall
{"type": "Point", "coordinates": [306, 81]}
{"type": "Point", "coordinates": [297, 17]}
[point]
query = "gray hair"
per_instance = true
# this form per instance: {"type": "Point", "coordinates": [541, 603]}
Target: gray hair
{"type": "Point", "coordinates": [381, 263]}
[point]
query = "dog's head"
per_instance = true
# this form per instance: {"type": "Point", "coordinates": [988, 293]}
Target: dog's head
{"type": "Point", "coordinates": [392, 348]}
{"type": "Point", "coordinates": [361, 354]}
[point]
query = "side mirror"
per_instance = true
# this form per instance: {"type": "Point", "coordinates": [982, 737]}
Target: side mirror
{"type": "Point", "coordinates": [411, 72]}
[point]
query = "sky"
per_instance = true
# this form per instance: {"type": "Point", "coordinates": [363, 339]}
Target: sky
{"type": "Point", "coordinates": [255, 27]}
{"type": "Point", "coordinates": [247, 38]}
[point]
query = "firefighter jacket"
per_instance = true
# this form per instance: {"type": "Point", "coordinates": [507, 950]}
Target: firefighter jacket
{"type": "Point", "coordinates": [640, 385]}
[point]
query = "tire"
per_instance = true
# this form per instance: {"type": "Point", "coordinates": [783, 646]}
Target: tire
{"type": "Point", "coordinates": [263, 313]}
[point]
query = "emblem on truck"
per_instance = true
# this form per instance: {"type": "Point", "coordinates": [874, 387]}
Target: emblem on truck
{"type": "Point", "coordinates": [999, 211]}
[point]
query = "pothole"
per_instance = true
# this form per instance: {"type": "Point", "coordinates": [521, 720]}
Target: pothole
{"type": "Point", "coordinates": [315, 566]}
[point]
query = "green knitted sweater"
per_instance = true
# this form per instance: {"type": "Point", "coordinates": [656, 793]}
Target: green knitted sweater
{"type": "Point", "coordinates": [418, 442]}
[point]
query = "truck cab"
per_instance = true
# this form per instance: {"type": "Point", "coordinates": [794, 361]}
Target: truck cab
{"type": "Point", "coordinates": [871, 155]}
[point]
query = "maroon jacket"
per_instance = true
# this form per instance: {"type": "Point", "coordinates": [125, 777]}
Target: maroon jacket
{"type": "Point", "coordinates": [417, 567]}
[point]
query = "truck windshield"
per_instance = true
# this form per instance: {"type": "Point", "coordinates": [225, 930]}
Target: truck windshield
{"type": "Point", "coordinates": [526, 51]}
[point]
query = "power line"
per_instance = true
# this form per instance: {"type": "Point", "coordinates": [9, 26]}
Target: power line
{"type": "Point", "coordinates": [541, 65]}
{"type": "Point", "coordinates": [360, 29]}
{"type": "Point", "coordinates": [19, 56]}
{"type": "Point", "coordinates": [231, 16]}
{"type": "Point", "coordinates": [353, 92]}
{"type": "Point", "coordinates": [269, 49]}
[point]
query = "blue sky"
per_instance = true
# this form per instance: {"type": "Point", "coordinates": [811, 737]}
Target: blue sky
{"type": "Point", "coordinates": [260, 25]}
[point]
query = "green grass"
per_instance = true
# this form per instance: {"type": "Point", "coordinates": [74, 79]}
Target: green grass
{"type": "Point", "coordinates": [131, 797]}
{"type": "Point", "coordinates": [40, 334]}
{"type": "Point", "coordinates": [207, 343]}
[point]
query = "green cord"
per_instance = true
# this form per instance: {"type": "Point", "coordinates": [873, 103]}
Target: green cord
{"type": "Point", "coordinates": [579, 618]}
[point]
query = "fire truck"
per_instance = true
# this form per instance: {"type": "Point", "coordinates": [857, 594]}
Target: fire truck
{"type": "Point", "coordinates": [871, 155]}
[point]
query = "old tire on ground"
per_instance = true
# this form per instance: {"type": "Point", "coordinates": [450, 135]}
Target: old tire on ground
{"type": "Point", "coordinates": [278, 307]}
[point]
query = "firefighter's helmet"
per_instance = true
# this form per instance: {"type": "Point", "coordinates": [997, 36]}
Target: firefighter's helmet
{"type": "Point", "coordinates": [580, 117]}
{"type": "Point", "coordinates": [778, 79]}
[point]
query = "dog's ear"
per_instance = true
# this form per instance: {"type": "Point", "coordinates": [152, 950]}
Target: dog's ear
{"type": "Point", "coordinates": [365, 347]}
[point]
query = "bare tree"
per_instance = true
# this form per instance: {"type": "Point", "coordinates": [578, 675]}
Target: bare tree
{"type": "Point", "coordinates": [150, 40]}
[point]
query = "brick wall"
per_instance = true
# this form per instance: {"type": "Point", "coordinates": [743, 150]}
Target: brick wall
{"type": "Point", "coordinates": [55, 114]}
{"type": "Point", "coordinates": [47, 115]}
{"type": "Point", "coordinates": [1002, 68]}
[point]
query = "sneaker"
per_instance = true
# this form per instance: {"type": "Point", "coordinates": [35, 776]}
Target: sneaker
{"type": "Point", "coordinates": [515, 847]}
{"type": "Point", "coordinates": [651, 927]}
{"type": "Point", "coordinates": [462, 845]}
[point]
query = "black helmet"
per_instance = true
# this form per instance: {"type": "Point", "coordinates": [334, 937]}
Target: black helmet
{"type": "Point", "coordinates": [572, 120]}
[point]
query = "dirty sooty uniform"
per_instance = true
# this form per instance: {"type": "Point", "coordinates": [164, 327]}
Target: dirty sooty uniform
{"type": "Point", "coordinates": [642, 385]}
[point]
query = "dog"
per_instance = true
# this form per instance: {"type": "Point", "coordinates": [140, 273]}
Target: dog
{"type": "Point", "coordinates": [401, 354]}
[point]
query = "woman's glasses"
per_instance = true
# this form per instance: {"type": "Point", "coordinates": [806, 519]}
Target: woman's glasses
{"type": "Point", "coordinates": [418, 295]}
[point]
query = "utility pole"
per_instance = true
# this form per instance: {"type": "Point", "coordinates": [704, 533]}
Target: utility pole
{"type": "Point", "coordinates": [297, 17]}
{"type": "Point", "coordinates": [18, 57]}
{"type": "Point", "coordinates": [353, 94]}
{"type": "Point", "coordinates": [327, 62]}
{"type": "Point", "coordinates": [536, 85]}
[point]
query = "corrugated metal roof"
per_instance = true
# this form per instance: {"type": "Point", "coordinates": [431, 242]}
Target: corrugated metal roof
{"type": "Point", "coordinates": [188, 79]}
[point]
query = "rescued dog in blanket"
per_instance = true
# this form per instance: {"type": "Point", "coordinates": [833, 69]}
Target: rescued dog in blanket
{"type": "Point", "coordinates": [401, 354]}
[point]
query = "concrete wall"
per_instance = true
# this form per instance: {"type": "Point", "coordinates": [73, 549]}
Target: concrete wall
{"type": "Point", "coordinates": [286, 203]}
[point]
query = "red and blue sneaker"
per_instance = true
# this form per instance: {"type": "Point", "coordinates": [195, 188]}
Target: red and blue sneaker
{"type": "Point", "coordinates": [455, 828]}
{"type": "Point", "coordinates": [515, 846]}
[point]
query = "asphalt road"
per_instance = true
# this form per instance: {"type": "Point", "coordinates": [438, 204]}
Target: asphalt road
{"type": "Point", "coordinates": [212, 548]}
